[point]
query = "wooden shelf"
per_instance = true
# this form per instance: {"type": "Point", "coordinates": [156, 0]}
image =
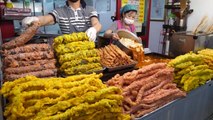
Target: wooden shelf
{"type": "Point", "coordinates": [13, 17]}
{"type": "Point", "coordinates": [172, 6]}
{"type": "Point", "coordinates": [176, 28]}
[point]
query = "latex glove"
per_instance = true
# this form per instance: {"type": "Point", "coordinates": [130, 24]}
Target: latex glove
{"type": "Point", "coordinates": [91, 33]}
{"type": "Point", "coordinates": [28, 20]}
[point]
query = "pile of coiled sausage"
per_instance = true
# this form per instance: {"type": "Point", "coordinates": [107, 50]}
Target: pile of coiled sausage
{"type": "Point", "coordinates": [20, 60]}
{"type": "Point", "coordinates": [147, 89]}
{"type": "Point", "coordinates": [23, 38]}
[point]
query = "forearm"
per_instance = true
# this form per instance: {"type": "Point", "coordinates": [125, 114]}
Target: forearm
{"type": "Point", "coordinates": [46, 20]}
{"type": "Point", "coordinates": [96, 24]}
{"type": "Point", "coordinates": [108, 34]}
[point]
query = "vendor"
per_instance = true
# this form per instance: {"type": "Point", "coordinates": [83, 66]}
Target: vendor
{"type": "Point", "coordinates": [75, 16]}
{"type": "Point", "coordinates": [128, 14]}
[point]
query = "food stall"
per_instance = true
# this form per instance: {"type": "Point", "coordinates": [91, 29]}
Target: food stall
{"type": "Point", "coordinates": [67, 77]}
{"type": "Point", "coordinates": [127, 77]}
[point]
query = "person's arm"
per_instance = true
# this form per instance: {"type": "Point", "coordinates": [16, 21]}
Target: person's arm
{"type": "Point", "coordinates": [109, 32]}
{"type": "Point", "coordinates": [46, 20]}
{"type": "Point", "coordinates": [134, 29]}
{"type": "Point", "coordinates": [96, 24]}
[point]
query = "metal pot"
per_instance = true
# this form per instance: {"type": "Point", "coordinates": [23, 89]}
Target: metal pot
{"type": "Point", "coordinates": [123, 33]}
{"type": "Point", "coordinates": [123, 48]}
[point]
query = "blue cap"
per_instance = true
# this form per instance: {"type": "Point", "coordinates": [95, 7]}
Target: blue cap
{"type": "Point", "coordinates": [128, 7]}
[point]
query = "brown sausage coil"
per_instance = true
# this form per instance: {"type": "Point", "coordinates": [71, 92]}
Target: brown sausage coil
{"type": "Point", "coordinates": [16, 63]}
{"type": "Point", "coordinates": [147, 89]}
{"type": "Point", "coordinates": [27, 49]}
{"type": "Point", "coordinates": [29, 56]}
{"type": "Point", "coordinates": [31, 68]}
{"type": "Point", "coordinates": [23, 38]}
{"type": "Point", "coordinates": [40, 74]}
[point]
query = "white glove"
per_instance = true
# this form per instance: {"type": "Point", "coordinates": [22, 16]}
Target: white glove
{"type": "Point", "coordinates": [91, 33]}
{"type": "Point", "coordinates": [28, 20]}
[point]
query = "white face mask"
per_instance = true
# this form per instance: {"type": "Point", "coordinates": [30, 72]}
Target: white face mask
{"type": "Point", "coordinates": [128, 21]}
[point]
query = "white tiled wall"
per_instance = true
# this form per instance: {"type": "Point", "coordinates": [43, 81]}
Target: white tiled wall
{"type": "Point", "coordinates": [201, 8]}
{"type": "Point", "coordinates": [155, 36]}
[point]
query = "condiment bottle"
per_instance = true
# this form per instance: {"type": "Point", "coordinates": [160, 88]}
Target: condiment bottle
{"type": "Point", "coordinates": [167, 44]}
{"type": "Point", "coordinates": [27, 3]}
{"type": "Point", "coordinates": [9, 4]}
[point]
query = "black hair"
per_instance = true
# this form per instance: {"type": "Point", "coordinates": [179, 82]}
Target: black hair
{"type": "Point", "coordinates": [83, 3]}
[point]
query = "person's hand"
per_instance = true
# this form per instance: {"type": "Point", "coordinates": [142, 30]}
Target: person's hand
{"type": "Point", "coordinates": [115, 36]}
{"type": "Point", "coordinates": [28, 20]}
{"type": "Point", "coordinates": [140, 40]}
{"type": "Point", "coordinates": [91, 33]}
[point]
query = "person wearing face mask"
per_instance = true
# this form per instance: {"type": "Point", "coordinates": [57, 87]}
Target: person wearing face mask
{"type": "Point", "coordinates": [128, 14]}
{"type": "Point", "coordinates": [75, 16]}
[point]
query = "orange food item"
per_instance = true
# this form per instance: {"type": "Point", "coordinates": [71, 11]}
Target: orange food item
{"type": "Point", "coordinates": [147, 60]}
{"type": "Point", "coordinates": [138, 55]}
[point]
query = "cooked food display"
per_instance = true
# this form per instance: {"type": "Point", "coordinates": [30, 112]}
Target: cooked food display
{"type": "Point", "coordinates": [20, 60]}
{"type": "Point", "coordinates": [79, 62]}
{"type": "Point", "coordinates": [23, 38]}
{"type": "Point", "coordinates": [112, 56]}
{"type": "Point", "coordinates": [138, 53]}
{"type": "Point", "coordinates": [207, 55]}
{"type": "Point", "coordinates": [191, 70]}
{"type": "Point", "coordinates": [31, 68]}
{"type": "Point", "coordinates": [27, 49]}
{"type": "Point", "coordinates": [74, 47]}
{"type": "Point", "coordinates": [38, 63]}
{"type": "Point", "coordinates": [69, 38]}
{"type": "Point", "coordinates": [16, 63]}
{"type": "Point", "coordinates": [153, 58]}
{"type": "Point", "coordinates": [76, 54]}
{"type": "Point", "coordinates": [128, 43]}
{"type": "Point", "coordinates": [147, 89]}
{"type": "Point", "coordinates": [136, 48]}
{"type": "Point", "coordinates": [33, 92]}
{"type": "Point", "coordinates": [80, 55]}
{"type": "Point", "coordinates": [83, 68]}
{"type": "Point", "coordinates": [29, 56]}
{"type": "Point", "coordinates": [80, 97]}
{"type": "Point", "coordinates": [41, 74]}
